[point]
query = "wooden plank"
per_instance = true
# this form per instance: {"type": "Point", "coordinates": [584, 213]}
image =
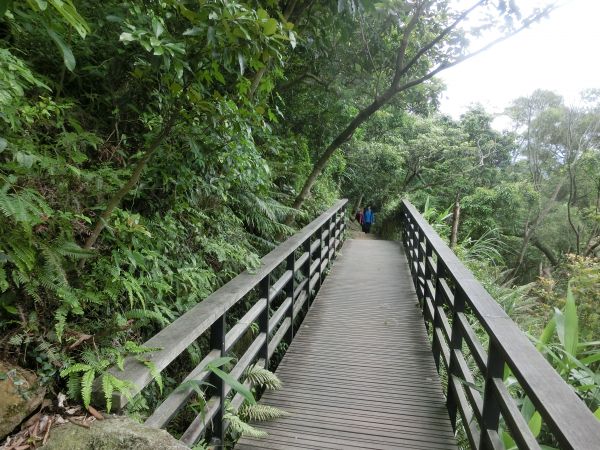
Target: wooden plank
{"type": "Point", "coordinates": [360, 373]}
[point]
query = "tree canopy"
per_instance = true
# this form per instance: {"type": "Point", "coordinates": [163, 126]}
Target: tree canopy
{"type": "Point", "coordinates": [151, 150]}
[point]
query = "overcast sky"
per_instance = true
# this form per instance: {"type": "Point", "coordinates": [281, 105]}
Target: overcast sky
{"type": "Point", "coordinates": [561, 53]}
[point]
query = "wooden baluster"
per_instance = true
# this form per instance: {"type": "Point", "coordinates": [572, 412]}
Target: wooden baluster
{"type": "Point", "coordinates": [263, 319]}
{"type": "Point", "coordinates": [306, 271]}
{"type": "Point", "coordinates": [438, 302]}
{"type": "Point", "coordinates": [217, 342]}
{"type": "Point", "coordinates": [456, 342]}
{"type": "Point", "coordinates": [289, 292]}
{"type": "Point", "coordinates": [490, 417]}
{"type": "Point", "coordinates": [322, 230]}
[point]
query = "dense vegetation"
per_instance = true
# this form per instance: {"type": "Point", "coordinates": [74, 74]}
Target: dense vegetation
{"type": "Point", "coordinates": [149, 151]}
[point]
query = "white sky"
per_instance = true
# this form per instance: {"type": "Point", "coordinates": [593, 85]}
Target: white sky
{"type": "Point", "coordinates": [561, 53]}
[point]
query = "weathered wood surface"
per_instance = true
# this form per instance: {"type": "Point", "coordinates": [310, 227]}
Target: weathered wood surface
{"type": "Point", "coordinates": [360, 373]}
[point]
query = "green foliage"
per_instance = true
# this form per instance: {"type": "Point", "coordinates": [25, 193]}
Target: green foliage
{"type": "Point", "coordinates": [262, 377]}
{"type": "Point", "coordinates": [240, 428]}
{"type": "Point", "coordinates": [260, 413]}
{"type": "Point", "coordinates": [95, 365]}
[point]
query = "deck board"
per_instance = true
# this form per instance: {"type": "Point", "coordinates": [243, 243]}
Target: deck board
{"type": "Point", "coordinates": [360, 373]}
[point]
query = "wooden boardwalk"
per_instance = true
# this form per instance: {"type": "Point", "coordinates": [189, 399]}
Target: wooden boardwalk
{"type": "Point", "coordinates": [360, 373]}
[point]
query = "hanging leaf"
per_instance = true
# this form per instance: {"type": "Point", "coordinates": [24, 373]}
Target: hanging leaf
{"type": "Point", "coordinates": [68, 57]}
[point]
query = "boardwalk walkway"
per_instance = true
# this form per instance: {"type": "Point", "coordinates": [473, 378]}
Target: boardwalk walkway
{"type": "Point", "coordinates": [360, 374]}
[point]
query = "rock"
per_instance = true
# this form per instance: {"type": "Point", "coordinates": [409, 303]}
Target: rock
{"type": "Point", "coordinates": [113, 433]}
{"type": "Point", "coordinates": [20, 395]}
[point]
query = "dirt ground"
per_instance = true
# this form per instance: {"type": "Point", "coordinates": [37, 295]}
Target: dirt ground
{"type": "Point", "coordinates": [355, 232]}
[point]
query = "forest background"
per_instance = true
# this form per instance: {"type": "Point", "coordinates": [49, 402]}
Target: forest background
{"type": "Point", "coordinates": [150, 151]}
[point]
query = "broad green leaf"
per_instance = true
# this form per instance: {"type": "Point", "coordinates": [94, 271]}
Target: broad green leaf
{"type": "Point", "coordinates": [547, 334]}
{"type": "Point", "coordinates": [195, 31]}
{"type": "Point", "coordinates": [126, 37]}
{"type": "Point", "coordinates": [270, 26]}
{"type": "Point", "coordinates": [590, 359]}
{"type": "Point", "coordinates": [68, 57]}
{"type": "Point", "coordinates": [4, 6]}
{"type": "Point", "coordinates": [535, 424]}
{"type": "Point", "coordinates": [3, 144]}
{"type": "Point", "coordinates": [11, 309]}
{"type": "Point", "coordinates": [42, 4]}
{"type": "Point", "coordinates": [25, 159]}
{"type": "Point", "coordinates": [70, 14]}
{"type": "Point", "coordinates": [157, 27]}
{"type": "Point", "coordinates": [527, 409]}
{"type": "Point", "coordinates": [597, 413]}
{"type": "Point", "coordinates": [508, 441]}
{"type": "Point", "coordinates": [235, 384]}
{"type": "Point", "coordinates": [262, 14]}
{"type": "Point", "coordinates": [220, 361]}
{"type": "Point", "coordinates": [571, 324]}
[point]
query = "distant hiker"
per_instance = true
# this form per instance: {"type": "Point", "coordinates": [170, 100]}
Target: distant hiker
{"type": "Point", "coordinates": [359, 216]}
{"type": "Point", "coordinates": [368, 219]}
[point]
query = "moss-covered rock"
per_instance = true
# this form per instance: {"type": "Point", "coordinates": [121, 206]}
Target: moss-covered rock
{"type": "Point", "coordinates": [113, 433]}
{"type": "Point", "coordinates": [20, 395]}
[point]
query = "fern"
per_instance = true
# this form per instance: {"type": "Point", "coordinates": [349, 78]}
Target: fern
{"type": "Point", "coordinates": [146, 314]}
{"type": "Point", "coordinates": [262, 377]}
{"type": "Point", "coordinates": [154, 372]}
{"type": "Point", "coordinates": [239, 427]}
{"type": "Point", "coordinates": [260, 413]}
{"type": "Point", "coordinates": [78, 367]}
{"type": "Point", "coordinates": [87, 381]}
{"type": "Point", "coordinates": [74, 385]}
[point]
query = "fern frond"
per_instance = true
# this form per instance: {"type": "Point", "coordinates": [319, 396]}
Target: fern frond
{"type": "Point", "coordinates": [74, 386]}
{"type": "Point", "coordinates": [154, 372]}
{"type": "Point", "coordinates": [260, 413]}
{"type": "Point", "coordinates": [262, 377]}
{"type": "Point", "coordinates": [87, 381]}
{"type": "Point", "coordinates": [107, 388]}
{"type": "Point", "coordinates": [78, 367]}
{"type": "Point", "coordinates": [238, 426]}
{"type": "Point", "coordinates": [146, 314]}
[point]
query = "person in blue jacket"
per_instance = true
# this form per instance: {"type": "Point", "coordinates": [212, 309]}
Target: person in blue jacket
{"type": "Point", "coordinates": [368, 219]}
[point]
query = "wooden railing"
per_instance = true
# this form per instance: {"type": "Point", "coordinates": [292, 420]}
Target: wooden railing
{"type": "Point", "coordinates": [299, 264]}
{"type": "Point", "coordinates": [451, 298]}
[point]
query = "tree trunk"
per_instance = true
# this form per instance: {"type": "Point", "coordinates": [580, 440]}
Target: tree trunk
{"type": "Point", "coordinates": [530, 230]}
{"type": "Point", "coordinates": [344, 136]}
{"type": "Point", "coordinates": [128, 186]}
{"type": "Point", "coordinates": [455, 222]}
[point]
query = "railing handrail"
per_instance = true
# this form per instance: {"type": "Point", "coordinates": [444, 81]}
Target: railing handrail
{"type": "Point", "coordinates": [570, 420]}
{"type": "Point", "coordinates": [177, 336]}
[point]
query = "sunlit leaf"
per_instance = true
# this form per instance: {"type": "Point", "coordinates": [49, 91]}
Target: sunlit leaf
{"type": "Point", "coordinates": [270, 26]}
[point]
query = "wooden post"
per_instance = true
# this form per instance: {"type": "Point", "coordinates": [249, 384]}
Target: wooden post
{"type": "Point", "coordinates": [263, 319]}
{"type": "Point", "coordinates": [217, 342]}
